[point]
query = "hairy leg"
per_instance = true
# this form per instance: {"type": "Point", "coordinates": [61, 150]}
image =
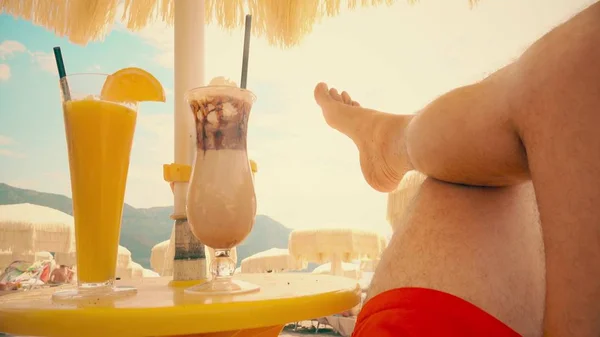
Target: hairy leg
{"type": "Point", "coordinates": [535, 119]}
{"type": "Point", "coordinates": [481, 244]}
{"type": "Point", "coordinates": [548, 129]}
{"type": "Point", "coordinates": [467, 136]}
{"type": "Point", "coordinates": [558, 124]}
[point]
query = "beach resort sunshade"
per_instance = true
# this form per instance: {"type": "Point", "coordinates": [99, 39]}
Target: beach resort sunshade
{"type": "Point", "coordinates": [382, 243]}
{"type": "Point", "coordinates": [401, 198]}
{"type": "Point", "coordinates": [149, 273]}
{"type": "Point", "coordinates": [334, 245]}
{"type": "Point", "coordinates": [123, 257]}
{"type": "Point", "coordinates": [134, 271]}
{"type": "Point", "coordinates": [282, 22]}
{"type": "Point", "coordinates": [350, 270]}
{"type": "Point", "coordinates": [128, 272]}
{"type": "Point", "coordinates": [163, 253]}
{"type": "Point", "coordinates": [7, 257]}
{"type": "Point", "coordinates": [274, 259]}
{"type": "Point", "coordinates": [158, 257]}
{"type": "Point", "coordinates": [369, 265]}
{"type": "Point", "coordinates": [70, 258]}
{"type": "Point", "coordinates": [320, 245]}
{"type": "Point", "coordinates": [33, 228]}
{"type": "Point", "coordinates": [129, 269]}
{"type": "Point", "coordinates": [126, 268]}
{"type": "Point", "coordinates": [365, 280]}
{"type": "Point", "coordinates": [67, 258]}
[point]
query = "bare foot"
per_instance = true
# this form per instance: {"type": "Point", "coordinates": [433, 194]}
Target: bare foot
{"type": "Point", "coordinates": [379, 136]}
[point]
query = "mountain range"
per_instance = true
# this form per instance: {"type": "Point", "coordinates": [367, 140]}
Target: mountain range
{"type": "Point", "coordinates": [142, 228]}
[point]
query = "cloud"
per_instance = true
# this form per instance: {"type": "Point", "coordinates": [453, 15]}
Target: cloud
{"type": "Point", "coordinates": [11, 154]}
{"type": "Point", "coordinates": [160, 36]}
{"type": "Point", "coordinates": [5, 151]}
{"type": "Point", "coordinates": [5, 140]}
{"type": "Point", "coordinates": [152, 147]}
{"type": "Point", "coordinates": [45, 61]}
{"type": "Point", "coordinates": [95, 67]}
{"type": "Point", "coordinates": [4, 72]}
{"type": "Point", "coordinates": [9, 48]}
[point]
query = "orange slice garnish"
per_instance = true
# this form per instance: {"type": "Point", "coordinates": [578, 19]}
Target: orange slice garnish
{"type": "Point", "coordinates": [132, 85]}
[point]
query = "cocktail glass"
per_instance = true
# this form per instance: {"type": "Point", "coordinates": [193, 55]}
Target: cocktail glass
{"type": "Point", "coordinates": [99, 137]}
{"type": "Point", "coordinates": [221, 203]}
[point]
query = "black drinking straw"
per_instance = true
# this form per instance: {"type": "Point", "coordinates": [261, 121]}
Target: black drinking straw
{"type": "Point", "coordinates": [62, 74]}
{"type": "Point", "coordinates": [246, 52]}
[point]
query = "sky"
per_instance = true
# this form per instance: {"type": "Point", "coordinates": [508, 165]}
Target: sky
{"type": "Point", "coordinates": [394, 59]}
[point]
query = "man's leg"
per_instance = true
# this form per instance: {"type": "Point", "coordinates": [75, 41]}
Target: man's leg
{"type": "Point", "coordinates": [555, 90]}
{"type": "Point", "coordinates": [536, 118]}
{"type": "Point", "coordinates": [483, 245]}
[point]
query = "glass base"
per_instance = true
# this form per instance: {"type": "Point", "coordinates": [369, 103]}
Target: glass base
{"type": "Point", "coordinates": [82, 294]}
{"type": "Point", "coordinates": [222, 287]}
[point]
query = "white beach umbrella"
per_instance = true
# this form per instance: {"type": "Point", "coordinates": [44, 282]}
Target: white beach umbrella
{"type": "Point", "coordinates": [157, 258]}
{"type": "Point", "coordinates": [30, 228]}
{"type": "Point", "coordinates": [67, 259]}
{"type": "Point", "coordinates": [163, 253]}
{"type": "Point", "coordinates": [335, 245]}
{"type": "Point", "coordinates": [149, 273]}
{"type": "Point", "coordinates": [274, 259]}
{"type": "Point", "coordinates": [7, 257]}
{"type": "Point", "coordinates": [123, 257]}
{"type": "Point", "coordinates": [349, 270]}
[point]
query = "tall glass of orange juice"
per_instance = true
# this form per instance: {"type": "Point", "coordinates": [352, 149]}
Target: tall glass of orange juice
{"type": "Point", "coordinates": [99, 136]}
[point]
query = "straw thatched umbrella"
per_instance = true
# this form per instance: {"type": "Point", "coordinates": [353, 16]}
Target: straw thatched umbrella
{"type": "Point", "coordinates": [349, 270]}
{"type": "Point", "coordinates": [274, 259]}
{"type": "Point", "coordinates": [161, 257]}
{"type": "Point", "coordinates": [334, 245]}
{"type": "Point", "coordinates": [282, 22]}
{"type": "Point", "coordinates": [7, 257]}
{"type": "Point", "coordinates": [134, 271]}
{"type": "Point", "coordinates": [31, 228]}
{"type": "Point", "coordinates": [126, 268]}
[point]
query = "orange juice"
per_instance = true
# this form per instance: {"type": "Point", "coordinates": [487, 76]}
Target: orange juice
{"type": "Point", "coordinates": [99, 138]}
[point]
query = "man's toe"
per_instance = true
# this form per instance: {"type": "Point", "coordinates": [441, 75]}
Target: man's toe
{"type": "Point", "coordinates": [322, 94]}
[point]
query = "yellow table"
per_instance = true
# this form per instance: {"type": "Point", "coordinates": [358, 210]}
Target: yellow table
{"type": "Point", "coordinates": [162, 310]}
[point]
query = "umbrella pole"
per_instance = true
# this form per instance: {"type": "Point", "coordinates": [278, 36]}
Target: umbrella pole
{"type": "Point", "coordinates": [190, 261]}
{"type": "Point", "coordinates": [336, 266]}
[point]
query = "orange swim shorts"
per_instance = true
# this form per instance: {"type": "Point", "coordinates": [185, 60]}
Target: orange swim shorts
{"type": "Point", "coordinates": [419, 312]}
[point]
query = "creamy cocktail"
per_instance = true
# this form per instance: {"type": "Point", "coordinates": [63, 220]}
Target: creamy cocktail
{"type": "Point", "coordinates": [221, 203]}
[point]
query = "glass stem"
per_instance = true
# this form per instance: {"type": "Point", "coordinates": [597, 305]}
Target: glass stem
{"type": "Point", "coordinates": [223, 266]}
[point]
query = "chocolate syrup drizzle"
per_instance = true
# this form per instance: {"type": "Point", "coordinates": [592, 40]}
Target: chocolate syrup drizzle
{"type": "Point", "coordinates": [227, 132]}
